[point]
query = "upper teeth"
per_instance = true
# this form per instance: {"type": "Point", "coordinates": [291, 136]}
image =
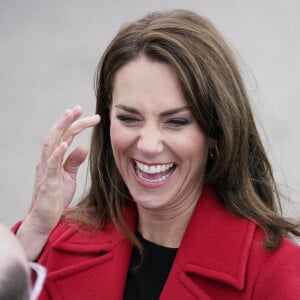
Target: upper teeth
{"type": "Point", "coordinates": [154, 168]}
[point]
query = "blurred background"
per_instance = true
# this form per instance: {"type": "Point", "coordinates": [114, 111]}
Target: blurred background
{"type": "Point", "coordinates": [49, 51]}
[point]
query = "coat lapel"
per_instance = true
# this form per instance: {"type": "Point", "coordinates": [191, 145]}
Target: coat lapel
{"type": "Point", "coordinates": [86, 265]}
{"type": "Point", "coordinates": [215, 247]}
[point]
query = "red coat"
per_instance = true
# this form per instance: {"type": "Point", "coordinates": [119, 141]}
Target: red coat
{"type": "Point", "coordinates": [220, 257]}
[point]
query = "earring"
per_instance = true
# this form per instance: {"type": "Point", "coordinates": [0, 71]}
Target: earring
{"type": "Point", "coordinates": [214, 152]}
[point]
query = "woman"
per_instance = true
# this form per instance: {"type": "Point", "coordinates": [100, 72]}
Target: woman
{"type": "Point", "coordinates": [182, 203]}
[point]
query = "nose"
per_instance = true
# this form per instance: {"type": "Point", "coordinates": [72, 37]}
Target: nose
{"type": "Point", "coordinates": [150, 140]}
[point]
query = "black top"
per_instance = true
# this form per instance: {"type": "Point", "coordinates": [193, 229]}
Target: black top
{"type": "Point", "coordinates": [145, 280]}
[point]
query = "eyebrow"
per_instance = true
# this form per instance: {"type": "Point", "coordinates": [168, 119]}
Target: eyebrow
{"type": "Point", "coordinates": [162, 114]}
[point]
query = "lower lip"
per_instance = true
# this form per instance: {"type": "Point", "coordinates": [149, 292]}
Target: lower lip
{"type": "Point", "coordinates": [149, 184]}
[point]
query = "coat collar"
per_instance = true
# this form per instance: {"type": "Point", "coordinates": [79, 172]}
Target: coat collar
{"type": "Point", "coordinates": [216, 244]}
{"type": "Point", "coordinates": [87, 263]}
{"type": "Point", "coordinates": [88, 240]}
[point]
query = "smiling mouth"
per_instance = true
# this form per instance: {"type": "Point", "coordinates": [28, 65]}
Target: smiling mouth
{"type": "Point", "coordinates": [153, 173]}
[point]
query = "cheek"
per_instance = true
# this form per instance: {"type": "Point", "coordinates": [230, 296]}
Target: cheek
{"type": "Point", "coordinates": [193, 148]}
{"type": "Point", "coordinates": [115, 137]}
{"type": "Point", "coordinates": [121, 139]}
{"type": "Point", "coordinates": [117, 144]}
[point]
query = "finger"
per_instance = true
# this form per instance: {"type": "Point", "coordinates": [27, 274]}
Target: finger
{"type": "Point", "coordinates": [53, 138]}
{"type": "Point", "coordinates": [77, 111]}
{"type": "Point", "coordinates": [79, 126]}
{"type": "Point", "coordinates": [51, 174]}
{"type": "Point", "coordinates": [63, 124]}
{"type": "Point", "coordinates": [74, 160]}
{"type": "Point", "coordinates": [55, 161]}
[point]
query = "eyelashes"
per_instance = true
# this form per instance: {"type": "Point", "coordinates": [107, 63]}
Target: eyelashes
{"type": "Point", "coordinates": [177, 122]}
{"type": "Point", "coordinates": [130, 120]}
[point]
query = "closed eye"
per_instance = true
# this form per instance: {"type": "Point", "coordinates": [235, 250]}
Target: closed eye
{"type": "Point", "coordinates": [178, 122]}
{"type": "Point", "coordinates": [128, 119]}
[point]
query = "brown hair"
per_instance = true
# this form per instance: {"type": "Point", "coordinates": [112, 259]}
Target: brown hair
{"type": "Point", "coordinates": [240, 174]}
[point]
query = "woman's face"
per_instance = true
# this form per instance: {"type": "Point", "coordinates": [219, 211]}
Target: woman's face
{"type": "Point", "coordinates": [158, 147]}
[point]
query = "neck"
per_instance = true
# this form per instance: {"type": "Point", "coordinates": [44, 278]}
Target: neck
{"type": "Point", "coordinates": [165, 227]}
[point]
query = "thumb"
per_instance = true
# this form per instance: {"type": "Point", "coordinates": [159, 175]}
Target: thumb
{"type": "Point", "coordinates": [75, 159]}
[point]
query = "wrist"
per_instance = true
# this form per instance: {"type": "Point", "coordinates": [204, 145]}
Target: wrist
{"type": "Point", "coordinates": [32, 237]}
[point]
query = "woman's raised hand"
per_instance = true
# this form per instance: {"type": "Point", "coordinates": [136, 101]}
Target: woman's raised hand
{"type": "Point", "coordinates": [55, 180]}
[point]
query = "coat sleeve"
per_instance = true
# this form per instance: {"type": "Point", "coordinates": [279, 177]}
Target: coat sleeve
{"type": "Point", "coordinates": [279, 277]}
{"type": "Point", "coordinates": [15, 228]}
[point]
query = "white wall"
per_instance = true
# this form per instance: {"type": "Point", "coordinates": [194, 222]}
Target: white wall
{"type": "Point", "coordinates": [49, 51]}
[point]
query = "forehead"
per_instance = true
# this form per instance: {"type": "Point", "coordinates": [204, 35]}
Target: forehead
{"type": "Point", "coordinates": [144, 81]}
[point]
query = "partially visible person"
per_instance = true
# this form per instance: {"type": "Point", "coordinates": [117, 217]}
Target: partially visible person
{"type": "Point", "coordinates": [15, 270]}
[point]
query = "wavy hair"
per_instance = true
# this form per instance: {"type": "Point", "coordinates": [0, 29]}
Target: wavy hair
{"type": "Point", "coordinates": [211, 82]}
